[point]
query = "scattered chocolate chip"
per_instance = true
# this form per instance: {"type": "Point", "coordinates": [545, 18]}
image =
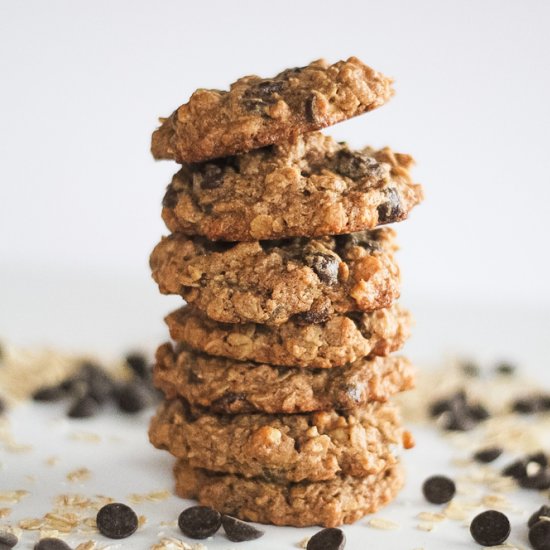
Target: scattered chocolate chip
{"type": "Point", "coordinates": [49, 393]}
{"type": "Point", "coordinates": [471, 369]}
{"type": "Point", "coordinates": [457, 414]}
{"type": "Point", "coordinates": [516, 469]}
{"type": "Point", "coordinates": [2, 406]}
{"type": "Point", "coordinates": [116, 521]}
{"type": "Point", "coordinates": [504, 368]}
{"type": "Point", "coordinates": [327, 539]}
{"type": "Point", "coordinates": [138, 364]}
{"type": "Point", "coordinates": [356, 164]}
{"type": "Point", "coordinates": [325, 266]}
{"type": "Point", "coordinates": [390, 210]}
{"type": "Point", "coordinates": [439, 489]}
{"type": "Point", "coordinates": [539, 481]}
{"type": "Point", "coordinates": [8, 539]}
{"type": "Point", "coordinates": [542, 511]}
{"type": "Point", "coordinates": [490, 528]}
{"type": "Point", "coordinates": [531, 404]}
{"type": "Point", "coordinates": [478, 412]}
{"type": "Point", "coordinates": [487, 455]}
{"type": "Point", "coordinates": [83, 407]}
{"type": "Point", "coordinates": [240, 531]}
{"type": "Point", "coordinates": [540, 458]}
{"type": "Point", "coordinates": [539, 535]}
{"type": "Point", "coordinates": [199, 522]}
{"type": "Point", "coordinates": [133, 396]}
{"type": "Point", "coordinates": [51, 543]}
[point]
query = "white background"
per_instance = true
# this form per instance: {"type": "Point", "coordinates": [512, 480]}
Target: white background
{"type": "Point", "coordinates": [82, 85]}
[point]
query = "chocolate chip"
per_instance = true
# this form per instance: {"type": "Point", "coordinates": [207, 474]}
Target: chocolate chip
{"type": "Point", "coordinates": [211, 176]}
{"type": "Point", "coordinates": [170, 197]}
{"type": "Point", "coordinates": [540, 458]}
{"type": "Point", "coordinates": [542, 511]}
{"type": "Point", "coordinates": [8, 539]}
{"type": "Point", "coordinates": [439, 489]}
{"type": "Point", "coordinates": [327, 539]}
{"type": "Point", "coordinates": [264, 89]}
{"type": "Point", "coordinates": [49, 393]}
{"type": "Point", "coordinates": [51, 543]}
{"type": "Point", "coordinates": [355, 164]}
{"type": "Point", "coordinates": [309, 108]}
{"type": "Point", "coordinates": [505, 368]}
{"type": "Point", "coordinates": [539, 481]}
{"type": "Point", "coordinates": [227, 399]}
{"type": "Point", "coordinates": [487, 455]}
{"type": "Point", "coordinates": [325, 266]}
{"type": "Point", "coordinates": [316, 315]}
{"type": "Point", "coordinates": [133, 397]}
{"type": "Point", "coordinates": [138, 364]}
{"type": "Point", "coordinates": [470, 369]}
{"type": "Point", "coordinates": [478, 412]}
{"type": "Point", "coordinates": [2, 406]}
{"type": "Point", "coordinates": [490, 528]}
{"type": "Point", "coordinates": [390, 210]}
{"type": "Point", "coordinates": [116, 521]}
{"type": "Point", "coordinates": [240, 531]}
{"type": "Point", "coordinates": [83, 407]}
{"type": "Point", "coordinates": [516, 469]}
{"type": "Point", "coordinates": [531, 404]}
{"type": "Point", "coordinates": [539, 535]}
{"type": "Point", "coordinates": [199, 522]}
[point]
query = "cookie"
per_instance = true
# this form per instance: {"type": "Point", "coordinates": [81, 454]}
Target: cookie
{"type": "Point", "coordinates": [343, 499]}
{"type": "Point", "coordinates": [234, 387]}
{"type": "Point", "coordinates": [260, 111]}
{"type": "Point", "coordinates": [270, 281]}
{"type": "Point", "coordinates": [284, 448]}
{"type": "Point", "coordinates": [334, 343]}
{"type": "Point", "coordinates": [308, 187]}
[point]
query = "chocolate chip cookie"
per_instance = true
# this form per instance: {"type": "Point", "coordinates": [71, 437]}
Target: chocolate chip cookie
{"type": "Point", "coordinates": [336, 342]}
{"type": "Point", "coordinates": [343, 499]}
{"type": "Point", "coordinates": [260, 111]}
{"type": "Point", "coordinates": [307, 187]}
{"type": "Point", "coordinates": [270, 281]}
{"type": "Point", "coordinates": [283, 448]}
{"type": "Point", "coordinates": [228, 386]}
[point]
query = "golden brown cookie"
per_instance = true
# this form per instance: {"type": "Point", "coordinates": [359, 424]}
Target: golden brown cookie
{"type": "Point", "coordinates": [343, 499]}
{"type": "Point", "coordinates": [270, 281]}
{"type": "Point", "coordinates": [260, 111]}
{"type": "Point", "coordinates": [308, 187]}
{"type": "Point", "coordinates": [284, 448]}
{"type": "Point", "coordinates": [234, 387]}
{"type": "Point", "coordinates": [340, 340]}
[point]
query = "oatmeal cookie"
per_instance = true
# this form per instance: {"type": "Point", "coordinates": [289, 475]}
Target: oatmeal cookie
{"type": "Point", "coordinates": [284, 448]}
{"type": "Point", "coordinates": [305, 188]}
{"type": "Point", "coordinates": [336, 342]}
{"type": "Point", "coordinates": [233, 387]}
{"type": "Point", "coordinates": [343, 499]}
{"type": "Point", "coordinates": [270, 281]}
{"type": "Point", "coordinates": [260, 111]}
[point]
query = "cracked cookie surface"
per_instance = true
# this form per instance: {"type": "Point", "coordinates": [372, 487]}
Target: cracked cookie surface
{"type": "Point", "coordinates": [344, 499]}
{"type": "Point", "coordinates": [234, 387]}
{"type": "Point", "coordinates": [284, 448]}
{"type": "Point", "coordinates": [340, 340]}
{"type": "Point", "coordinates": [260, 111]}
{"type": "Point", "coordinates": [308, 187]}
{"type": "Point", "coordinates": [268, 282]}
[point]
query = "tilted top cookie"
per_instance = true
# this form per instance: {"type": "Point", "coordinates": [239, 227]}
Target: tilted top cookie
{"type": "Point", "coordinates": [260, 111]}
{"type": "Point", "coordinates": [306, 187]}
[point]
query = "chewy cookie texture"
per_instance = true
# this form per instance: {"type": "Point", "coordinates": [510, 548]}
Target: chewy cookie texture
{"type": "Point", "coordinates": [279, 382]}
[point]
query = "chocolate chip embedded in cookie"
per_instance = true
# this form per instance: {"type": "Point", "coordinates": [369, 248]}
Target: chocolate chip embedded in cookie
{"type": "Point", "coordinates": [270, 281]}
{"type": "Point", "coordinates": [285, 448]}
{"type": "Point", "coordinates": [343, 499]}
{"type": "Point", "coordinates": [228, 386]}
{"type": "Point", "coordinates": [336, 342]}
{"type": "Point", "coordinates": [260, 111]}
{"type": "Point", "coordinates": [308, 187]}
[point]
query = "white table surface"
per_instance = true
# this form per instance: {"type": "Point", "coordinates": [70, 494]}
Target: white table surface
{"type": "Point", "coordinates": [104, 316]}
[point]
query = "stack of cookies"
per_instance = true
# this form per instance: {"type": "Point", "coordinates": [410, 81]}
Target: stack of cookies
{"type": "Point", "coordinates": [278, 384]}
